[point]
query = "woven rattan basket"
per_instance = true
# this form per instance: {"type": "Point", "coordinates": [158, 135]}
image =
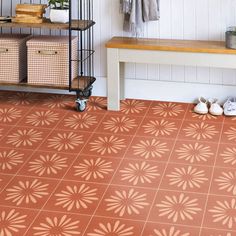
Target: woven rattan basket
{"type": "Point", "coordinates": [48, 60]}
{"type": "Point", "coordinates": [13, 57]}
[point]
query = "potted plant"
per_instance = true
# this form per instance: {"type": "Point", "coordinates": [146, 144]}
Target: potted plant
{"type": "Point", "coordinates": [59, 12]}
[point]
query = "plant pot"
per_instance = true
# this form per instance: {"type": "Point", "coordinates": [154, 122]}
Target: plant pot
{"type": "Point", "coordinates": [59, 15]}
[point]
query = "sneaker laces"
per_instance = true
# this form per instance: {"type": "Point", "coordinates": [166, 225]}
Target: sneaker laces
{"type": "Point", "coordinates": [230, 106]}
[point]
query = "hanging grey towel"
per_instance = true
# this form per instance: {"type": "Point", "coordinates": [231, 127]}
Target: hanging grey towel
{"type": "Point", "coordinates": [151, 10]}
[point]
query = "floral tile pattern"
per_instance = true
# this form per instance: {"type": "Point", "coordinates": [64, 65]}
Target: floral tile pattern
{"type": "Point", "coordinates": [151, 169]}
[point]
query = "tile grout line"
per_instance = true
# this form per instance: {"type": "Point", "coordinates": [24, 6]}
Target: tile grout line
{"type": "Point", "coordinates": [60, 180]}
{"type": "Point", "coordinates": [211, 181]}
{"type": "Point", "coordinates": [110, 182]}
{"type": "Point", "coordinates": [163, 175]}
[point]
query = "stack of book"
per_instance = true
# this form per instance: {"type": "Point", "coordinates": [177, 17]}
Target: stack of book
{"type": "Point", "coordinates": [29, 13]}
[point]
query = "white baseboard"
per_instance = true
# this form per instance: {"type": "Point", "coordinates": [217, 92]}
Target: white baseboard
{"type": "Point", "coordinates": [156, 90]}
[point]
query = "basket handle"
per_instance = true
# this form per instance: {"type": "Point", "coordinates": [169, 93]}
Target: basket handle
{"type": "Point", "coordinates": [44, 52]}
{"type": "Point", "coordinates": [3, 50]}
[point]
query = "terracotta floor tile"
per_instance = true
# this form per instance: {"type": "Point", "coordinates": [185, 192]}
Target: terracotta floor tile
{"type": "Point", "coordinates": [191, 115]}
{"type": "Point", "coordinates": [226, 156]}
{"type": "Point", "coordinates": [137, 173]}
{"type": "Point", "coordinates": [119, 124]}
{"type": "Point", "coordinates": [220, 213]}
{"type": "Point", "coordinates": [55, 223]}
{"type": "Point", "coordinates": [27, 192]}
{"type": "Point", "coordinates": [4, 180]}
{"type": "Point", "coordinates": [24, 138]}
{"type": "Point", "coordinates": [230, 120]}
{"type": "Point", "coordinates": [224, 182]}
{"type": "Point", "coordinates": [86, 121]}
{"type": "Point", "coordinates": [4, 130]}
{"type": "Point", "coordinates": [42, 118]}
{"type": "Point", "coordinates": [11, 115]}
{"type": "Point", "coordinates": [158, 229]}
{"type": "Point", "coordinates": [200, 131]}
{"type": "Point", "coordinates": [187, 178]}
{"type": "Point", "coordinates": [101, 226]}
{"type": "Point", "coordinates": [125, 202]}
{"type": "Point", "coordinates": [76, 197]}
{"type": "Point", "coordinates": [194, 153]}
{"type": "Point", "coordinates": [159, 128]}
{"type": "Point", "coordinates": [107, 145]}
{"type": "Point", "coordinates": [65, 141]}
{"type": "Point", "coordinates": [47, 164]}
{"type": "Point", "coordinates": [11, 160]}
{"type": "Point", "coordinates": [172, 110]}
{"type": "Point", "coordinates": [15, 221]}
{"type": "Point", "coordinates": [93, 169]}
{"type": "Point", "coordinates": [153, 149]}
{"type": "Point", "coordinates": [178, 208]}
{"type": "Point", "coordinates": [229, 134]}
{"type": "Point", "coordinates": [134, 107]}
{"type": "Point", "coordinates": [214, 232]}
{"type": "Point", "coordinates": [97, 104]}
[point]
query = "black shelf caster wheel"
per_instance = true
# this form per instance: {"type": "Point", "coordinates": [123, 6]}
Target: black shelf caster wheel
{"type": "Point", "coordinates": [81, 105]}
{"type": "Point", "coordinates": [87, 93]}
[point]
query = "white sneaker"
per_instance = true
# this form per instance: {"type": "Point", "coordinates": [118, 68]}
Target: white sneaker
{"type": "Point", "coordinates": [215, 108]}
{"type": "Point", "coordinates": [230, 107]}
{"type": "Point", "coordinates": [201, 107]}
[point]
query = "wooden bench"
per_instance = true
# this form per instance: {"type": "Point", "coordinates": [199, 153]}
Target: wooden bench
{"type": "Point", "coordinates": [160, 51]}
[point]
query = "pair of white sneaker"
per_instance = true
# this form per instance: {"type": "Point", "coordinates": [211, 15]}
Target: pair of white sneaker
{"type": "Point", "coordinates": [214, 108]}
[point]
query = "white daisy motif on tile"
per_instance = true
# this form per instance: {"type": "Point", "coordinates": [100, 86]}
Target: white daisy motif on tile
{"type": "Point", "coordinates": [9, 115]}
{"type": "Point", "coordinates": [24, 138]}
{"type": "Point", "coordinates": [58, 226]}
{"type": "Point", "coordinates": [18, 99]}
{"type": "Point", "coordinates": [203, 117]}
{"type": "Point", "coordinates": [47, 164]}
{"type": "Point", "coordinates": [133, 107]}
{"type": "Point", "coordinates": [65, 141]}
{"type": "Point", "coordinates": [116, 229]}
{"type": "Point", "coordinates": [10, 159]}
{"type": "Point", "coordinates": [80, 121]}
{"type": "Point", "coordinates": [93, 169]}
{"type": "Point", "coordinates": [194, 153]}
{"type": "Point", "coordinates": [225, 213]}
{"type": "Point", "coordinates": [150, 149]}
{"type": "Point", "coordinates": [27, 192]}
{"type": "Point", "coordinates": [139, 173]}
{"type": "Point", "coordinates": [96, 104]}
{"type": "Point", "coordinates": [126, 202]}
{"type": "Point", "coordinates": [57, 101]}
{"type": "Point", "coordinates": [76, 197]}
{"type": "Point", "coordinates": [178, 208]}
{"type": "Point", "coordinates": [187, 177]}
{"type": "Point", "coordinates": [227, 181]}
{"type": "Point", "coordinates": [231, 134]}
{"type": "Point", "coordinates": [229, 156]}
{"type": "Point", "coordinates": [159, 128]}
{"type": "Point", "coordinates": [171, 232]}
{"type": "Point", "coordinates": [119, 124]}
{"type": "Point", "coordinates": [42, 118]}
{"type": "Point", "coordinates": [167, 109]}
{"type": "Point", "coordinates": [201, 131]}
{"type": "Point", "coordinates": [11, 222]}
{"type": "Point", "coordinates": [107, 145]}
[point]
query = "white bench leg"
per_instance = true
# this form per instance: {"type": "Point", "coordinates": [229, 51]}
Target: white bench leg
{"type": "Point", "coordinates": [113, 79]}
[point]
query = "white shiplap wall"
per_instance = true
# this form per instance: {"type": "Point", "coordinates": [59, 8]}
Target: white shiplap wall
{"type": "Point", "coordinates": [180, 19]}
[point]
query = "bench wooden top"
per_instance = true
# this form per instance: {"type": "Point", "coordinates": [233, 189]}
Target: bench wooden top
{"type": "Point", "coordinates": [170, 45]}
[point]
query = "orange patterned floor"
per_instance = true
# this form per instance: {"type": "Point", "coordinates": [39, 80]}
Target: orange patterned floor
{"type": "Point", "coordinates": [152, 169]}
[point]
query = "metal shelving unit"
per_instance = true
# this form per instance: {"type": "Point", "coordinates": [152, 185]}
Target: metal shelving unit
{"type": "Point", "coordinates": [80, 24]}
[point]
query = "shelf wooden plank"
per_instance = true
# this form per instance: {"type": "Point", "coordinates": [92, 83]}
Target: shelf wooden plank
{"type": "Point", "coordinates": [76, 25]}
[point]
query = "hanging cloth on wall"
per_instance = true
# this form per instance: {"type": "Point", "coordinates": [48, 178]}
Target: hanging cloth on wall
{"type": "Point", "coordinates": [136, 12]}
{"type": "Point", "coordinates": [151, 10]}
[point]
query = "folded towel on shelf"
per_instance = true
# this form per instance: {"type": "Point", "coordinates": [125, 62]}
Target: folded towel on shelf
{"type": "Point", "coordinates": [151, 10]}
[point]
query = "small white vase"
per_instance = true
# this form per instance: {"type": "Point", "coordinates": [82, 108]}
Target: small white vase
{"type": "Point", "coordinates": [59, 15]}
